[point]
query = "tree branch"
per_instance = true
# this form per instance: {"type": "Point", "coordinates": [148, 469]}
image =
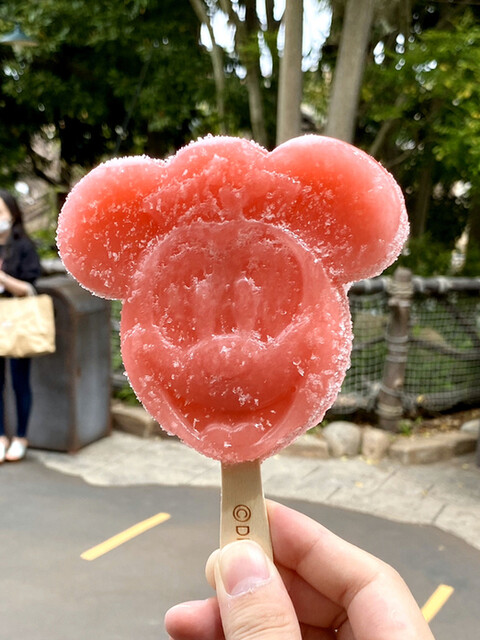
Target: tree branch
{"type": "Point", "coordinates": [399, 159]}
{"type": "Point", "coordinates": [39, 172]}
{"type": "Point", "coordinates": [385, 128]}
{"type": "Point", "coordinates": [272, 24]}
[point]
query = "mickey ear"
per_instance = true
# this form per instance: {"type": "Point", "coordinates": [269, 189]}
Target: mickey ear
{"type": "Point", "coordinates": [352, 210]}
{"type": "Point", "coordinates": [105, 223]}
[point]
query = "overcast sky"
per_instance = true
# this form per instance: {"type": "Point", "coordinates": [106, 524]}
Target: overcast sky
{"type": "Point", "coordinates": [316, 25]}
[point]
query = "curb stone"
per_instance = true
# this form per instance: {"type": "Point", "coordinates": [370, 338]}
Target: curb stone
{"type": "Point", "coordinates": [343, 438]}
{"type": "Point", "coordinates": [432, 448]}
{"type": "Point", "coordinates": [408, 450]}
{"type": "Point", "coordinates": [308, 446]}
{"type": "Point", "coordinates": [135, 420]}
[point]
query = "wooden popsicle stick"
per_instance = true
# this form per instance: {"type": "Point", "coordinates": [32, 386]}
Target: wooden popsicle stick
{"type": "Point", "coordinates": [243, 510]}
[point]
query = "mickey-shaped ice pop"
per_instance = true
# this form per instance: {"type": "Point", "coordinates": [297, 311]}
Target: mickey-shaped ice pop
{"type": "Point", "coordinates": [233, 265]}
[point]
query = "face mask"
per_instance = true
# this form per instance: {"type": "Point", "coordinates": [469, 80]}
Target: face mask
{"type": "Point", "coordinates": [5, 225]}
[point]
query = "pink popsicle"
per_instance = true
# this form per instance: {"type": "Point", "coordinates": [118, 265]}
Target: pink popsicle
{"type": "Point", "coordinates": [233, 266]}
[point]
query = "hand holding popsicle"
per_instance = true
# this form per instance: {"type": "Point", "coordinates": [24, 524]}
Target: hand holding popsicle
{"type": "Point", "coordinates": [233, 265]}
{"type": "Point", "coordinates": [319, 584]}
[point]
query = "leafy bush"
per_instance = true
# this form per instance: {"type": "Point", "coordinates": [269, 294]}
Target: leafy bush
{"type": "Point", "coordinates": [425, 257]}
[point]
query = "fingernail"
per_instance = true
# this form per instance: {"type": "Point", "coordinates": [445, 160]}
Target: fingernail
{"type": "Point", "coordinates": [243, 567]}
{"type": "Point", "coordinates": [192, 604]}
{"type": "Point", "coordinates": [182, 608]}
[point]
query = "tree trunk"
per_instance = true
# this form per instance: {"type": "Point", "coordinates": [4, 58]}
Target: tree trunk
{"type": "Point", "coordinates": [472, 262]}
{"type": "Point", "coordinates": [290, 83]}
{"type": "Point", "coordinates": [342, 112]}
{"type": "Point", "coordinates": [420, 212]}
{"type": "Point", "coordinates": [255, 103]}
{"type": "Point", "coordinates": [271, 37]}
{"type": "Point", "coordinates": [216, 55]}
{"type": "Point", "coordinates": [474, 221]}
{"type": "Point", "coordinates": [249, 57]}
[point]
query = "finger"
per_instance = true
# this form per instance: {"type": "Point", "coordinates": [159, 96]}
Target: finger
{"type": "Point", "coordinates": [378, 603]}
{"type": "Point", "coordinates": [312, 608]}
{"type": "Point", "coordinates": [196, 620]}
{"type": "Point", "coordinates": [328, 563]}
{"type": "Point", "coordinates": [384, 609]}
{"type": "Point", "coordinates": [210, 568]}
{"type": "Point", "coordinates": [252, 598]}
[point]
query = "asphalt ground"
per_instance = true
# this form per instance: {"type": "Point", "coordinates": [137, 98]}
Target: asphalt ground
{"type": "Point", "coordinates": [49, 519]}
{"type": "Point", "coordinates": [445, 494]}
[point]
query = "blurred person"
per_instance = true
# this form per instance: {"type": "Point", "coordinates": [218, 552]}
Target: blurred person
{"type": "Point", "coordinates": [19, 269]}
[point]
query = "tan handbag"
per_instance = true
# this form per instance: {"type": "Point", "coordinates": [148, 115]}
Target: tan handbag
{"type": "Point", "coordinates": [27, 326]}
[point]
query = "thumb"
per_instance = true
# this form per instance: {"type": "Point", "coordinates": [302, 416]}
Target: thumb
{"type": "Point", "coordinates": [253, 601]}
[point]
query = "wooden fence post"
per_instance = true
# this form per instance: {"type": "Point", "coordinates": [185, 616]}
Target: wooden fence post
{"type": "Point", "coordinates": [389, 404]}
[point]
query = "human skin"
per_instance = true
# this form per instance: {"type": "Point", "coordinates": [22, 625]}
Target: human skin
{"type": "Point", "coordinates": [320, 587]}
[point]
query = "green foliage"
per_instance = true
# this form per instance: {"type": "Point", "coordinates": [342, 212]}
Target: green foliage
{"type": "Point", "coordinates": [471, 267]}
{"type": "Point", "coordinates": [104, 74]}
{"type": "Point", "coordinates": [123, 392]}
{"type": "Point", "coordinates": [424, 99]}
{"type": "Point", "coordinates": [316, 93]}
{"type": "Point", "coordinates": [317, 429]}
{"type": "Point", "coordinates": [132, 77]}
{"type": "Point", "coordinates": [405, 427]}
{"type": "Point", "coordinates": [424, 257]}
{"type": "Point", "coordinates": [126, 394]}
{"type": "Point", "coordinates": [419, 114]}
{"type": "Point", "coordinates": [45, 242]}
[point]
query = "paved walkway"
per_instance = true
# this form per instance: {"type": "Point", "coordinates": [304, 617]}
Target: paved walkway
{"type": "Point", "coordinates": [443, 494]}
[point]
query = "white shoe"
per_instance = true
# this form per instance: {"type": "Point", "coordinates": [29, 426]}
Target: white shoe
{"type": "Point", "coordinates": [3, 451]}
{"type": "Point", "coordinates": [16, 451]}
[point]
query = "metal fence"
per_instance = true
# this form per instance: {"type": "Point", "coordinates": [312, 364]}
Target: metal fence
{"type": "Point", "coordinates": [416, 347]}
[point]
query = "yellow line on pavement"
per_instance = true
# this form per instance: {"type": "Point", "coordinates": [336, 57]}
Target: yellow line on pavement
{"type": "Point", "coordinates": [124, 536]}
{"type": "Point", "coordinates": [436, 601]}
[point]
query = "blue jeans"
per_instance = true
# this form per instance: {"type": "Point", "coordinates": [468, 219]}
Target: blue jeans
{"type": "Point", "coordinates": [20, 375]}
